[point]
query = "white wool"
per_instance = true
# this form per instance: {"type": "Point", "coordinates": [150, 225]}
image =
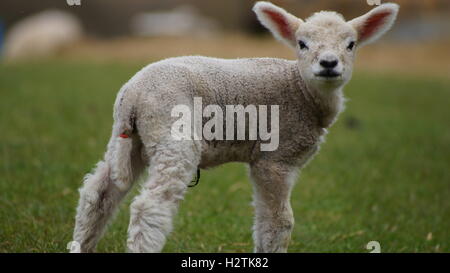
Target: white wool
{"type": "Point", "coordinates": [325, 16]}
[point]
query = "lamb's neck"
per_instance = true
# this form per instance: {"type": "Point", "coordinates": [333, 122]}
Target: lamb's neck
{"type": "Point", "coordinates": [327, 101]}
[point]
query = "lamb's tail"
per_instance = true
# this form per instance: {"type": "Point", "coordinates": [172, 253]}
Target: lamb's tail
{"type": "Point", "coordinates": [124, 138]}
{"type": "Point", "coordinates": [112, 178]}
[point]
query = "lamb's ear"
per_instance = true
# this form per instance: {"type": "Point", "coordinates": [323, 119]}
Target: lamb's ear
{"type": "Point", "coordinates": [282, 24]}
{"type": "Point", "coordinates": [375, 23]}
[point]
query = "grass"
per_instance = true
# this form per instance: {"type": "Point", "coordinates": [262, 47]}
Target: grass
{"type": "Point", "coordinates": [382, 174]}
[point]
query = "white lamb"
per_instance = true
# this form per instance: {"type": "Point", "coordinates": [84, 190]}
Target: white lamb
{"type": "Point", "coordinates": [308, 92]}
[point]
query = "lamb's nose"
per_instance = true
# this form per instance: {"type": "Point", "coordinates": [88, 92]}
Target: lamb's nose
{"type": "Point", "coordinates": [328, 64]}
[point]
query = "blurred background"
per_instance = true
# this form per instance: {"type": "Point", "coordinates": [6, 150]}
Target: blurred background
{"type": "Point", "coordinates": [137, 29]}
{"type": "Point", "coordinates": [382, 174]}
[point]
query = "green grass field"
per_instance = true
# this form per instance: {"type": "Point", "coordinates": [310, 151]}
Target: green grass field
{"type": "Point", "coordinates": [383, 173]}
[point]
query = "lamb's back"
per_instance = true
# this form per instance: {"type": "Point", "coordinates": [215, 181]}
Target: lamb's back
{"type": "Point", "coordinates": [222, 81]}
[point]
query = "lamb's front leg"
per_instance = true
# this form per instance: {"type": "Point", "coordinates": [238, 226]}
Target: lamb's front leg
{"type": "Point", "coordinates": [273, 213]}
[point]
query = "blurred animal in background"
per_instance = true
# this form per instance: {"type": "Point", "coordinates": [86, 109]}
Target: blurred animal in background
{"type": "Point", "coordinates": [183, 20]}
{"type": "Point", "coordinates": [41, 35]}
{"type": "Point", "coordinates": [308, 91]}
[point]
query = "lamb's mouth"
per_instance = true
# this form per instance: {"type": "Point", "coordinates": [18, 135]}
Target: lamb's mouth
{"type": "Point", "coordinates": [328, 74]}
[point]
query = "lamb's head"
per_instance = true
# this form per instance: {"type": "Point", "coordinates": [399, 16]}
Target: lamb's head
{"type": "Point", "coordinates": [325, 43]}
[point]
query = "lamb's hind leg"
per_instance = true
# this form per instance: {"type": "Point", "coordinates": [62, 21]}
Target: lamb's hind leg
{"type": "Point", "coordinates": [105, 188]}
{"type": "Point", "coordinates": [273, 214]}
{"type": "Point", "coordinates": [172, 167]}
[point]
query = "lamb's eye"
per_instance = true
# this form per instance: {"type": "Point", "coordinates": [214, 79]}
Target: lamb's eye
{"type": "Point", "coordinates": [351, 45]}
{"type": "Point", "coordinates": [302, 45]}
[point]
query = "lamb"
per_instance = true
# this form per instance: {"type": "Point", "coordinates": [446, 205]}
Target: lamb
{"type": "Point", "coordinates": [308, 92]}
